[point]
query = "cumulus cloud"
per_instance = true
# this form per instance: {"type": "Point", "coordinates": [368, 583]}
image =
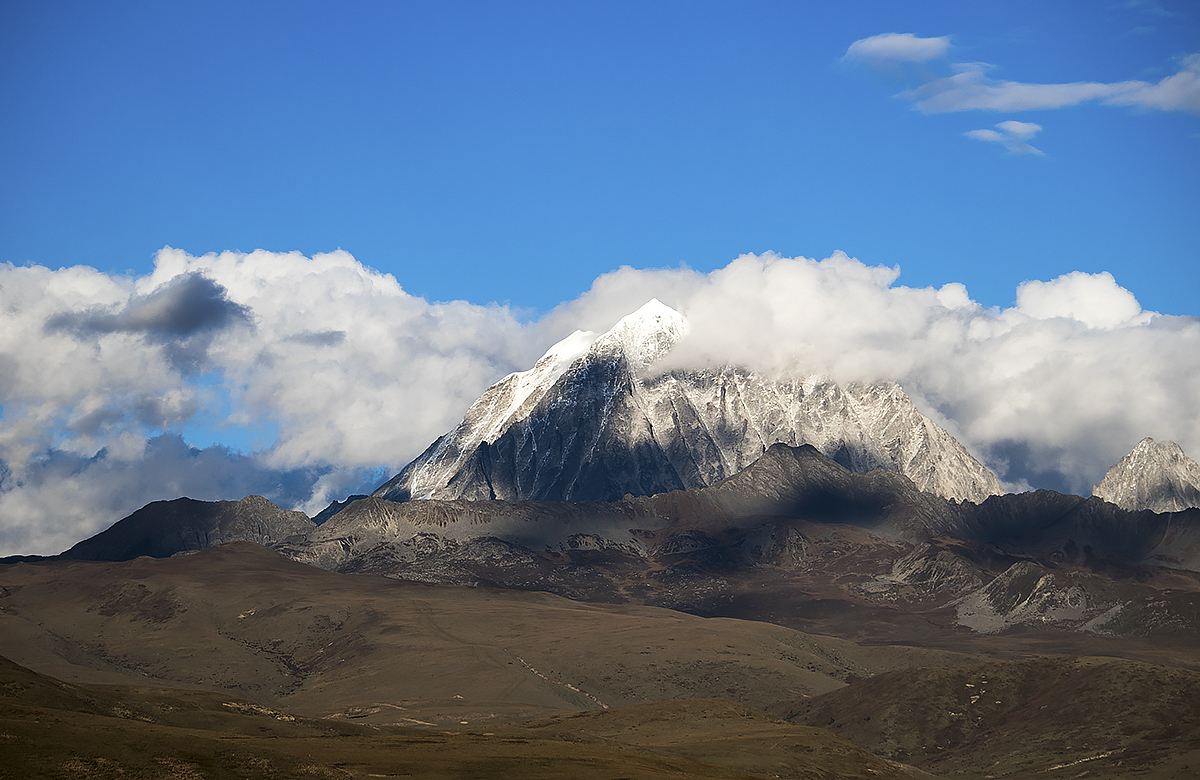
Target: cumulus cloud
{"type": "Point", "coordinates": [356, 376]}
{"type": "Point", "coordinates": [354, 373]}
{"type": "Point", "coordinates": [352, 368]}
{"type": "Point", "coordinates": [182, 315]}
{"type": "Point", "coordinates": [898, 47]}
{"type": "Point", "coordinates": [1011, 134]}
{"type": "Point", "coordinates": [1096, 300]}
{"type": "Point", "coordinates": [185, 306]}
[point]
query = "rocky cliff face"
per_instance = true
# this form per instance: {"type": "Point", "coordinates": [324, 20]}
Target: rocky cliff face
{"type": "Point", "coordinates": [1155, 475]}
{"type": "Point", "coordinates": [593, 420]}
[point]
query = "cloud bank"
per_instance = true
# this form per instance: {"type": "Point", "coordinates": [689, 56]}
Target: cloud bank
{"type": "Point", "coordinates": [1049, 391]}
{"type": "Point", "coordinates": [350, 376]}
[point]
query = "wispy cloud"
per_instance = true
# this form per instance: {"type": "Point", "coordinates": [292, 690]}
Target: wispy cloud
{"type": "Point", "coordinates": [971, 86]}
{"type": "Point", "coordinates": [1012, 135]}
{"type": "Point", "coordinates": [1150, 7]}
{"type": "Point", "coordinates": [898, 47]}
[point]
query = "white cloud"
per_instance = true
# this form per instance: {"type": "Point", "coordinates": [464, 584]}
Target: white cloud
{"type": "Point", "coordinates": [1178, 92]}
{"type": "Point", "coordinates": [62, 497]}
{"type": "Point", "coordinates": [1051, 391]}
{"type": "Point", "coordinates": [970, 88]}
{"type": "Point", "coordinates": [1012, 135]}
{"type": "Point", "coordinates": [898, 47]}
{"type": "Point", "coordinates": [399, 372]}
{"type": "Point", "coordinates": [355, 373]}
{"type": "Point", "coordinates": [1096, 300]}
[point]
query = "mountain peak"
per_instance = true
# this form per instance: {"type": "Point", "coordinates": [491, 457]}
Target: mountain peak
{"type": "Point", "coordinates": [1155, 446]}
{"type": "Point", "coordinates": [645, 335]}
{"type": "Point", "coordinates": [1156, 475]}
{"type": "Point", "coordinates": [590, 422]}
{"type": "Point", "coordinates": [654, 308]}
{"type": "Point", "coordinates": [569, 348]}
{"type": "Point", "coordinates": [163, 528]}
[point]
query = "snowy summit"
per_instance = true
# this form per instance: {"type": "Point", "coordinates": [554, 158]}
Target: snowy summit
{"type": "Point", "coordinates": [588, 422]}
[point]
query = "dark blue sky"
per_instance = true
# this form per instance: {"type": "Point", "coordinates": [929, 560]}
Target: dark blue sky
{"type": "Point", "coordinates": [513, 151]}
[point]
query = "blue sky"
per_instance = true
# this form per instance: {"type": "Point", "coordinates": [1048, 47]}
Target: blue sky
{"type": "Point", "coordinates": [522, 153]}
{"type": "Point", "coordinates": [515, 151]}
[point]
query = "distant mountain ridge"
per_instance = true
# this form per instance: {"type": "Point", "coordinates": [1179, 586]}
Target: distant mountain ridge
{"type": "Point", "coordinates": [1155, 475]}
{"type": "Point", "coordinates": [164, 528]}
{"type": "Point", "coordinates": [791, 525]}
{"type": "Point", "coordinates": [785, 483]}
{"type": "Point", "coordinates": [589, 422]}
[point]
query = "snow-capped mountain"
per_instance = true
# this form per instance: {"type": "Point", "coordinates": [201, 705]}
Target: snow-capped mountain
{"type": "Point", "coordinates": [1155, 475]}
{"type": "Point", "coordinates": [591, 420]}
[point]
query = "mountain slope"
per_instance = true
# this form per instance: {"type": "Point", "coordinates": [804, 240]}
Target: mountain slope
{"type": "Point", "coordinates": [323, 645]}
{"type": "Point", "coordinates": [235, 662]}
{"type": "Point", "coordinates": [592, 421]}
{"type": "Point", "coordinates": [786, 482]}
{"type": "Point", "coordinates": [251, 666]}
{"type": "Point", "coordinates": [163, 528]}
{"type": "Point", "coordinates": [1155, 475]}
{"type": "Point", "coordinates": [797, 538]}
{"type": "Point", "coordinates": [1048, 716]}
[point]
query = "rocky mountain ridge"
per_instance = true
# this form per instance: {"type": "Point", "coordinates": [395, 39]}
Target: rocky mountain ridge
{"type": "Point", "coordinates": [163, 528]}
{"type": "Point", "coordinates": [796, 528]}
{"type": "Point", "coordinates": [793, 530]}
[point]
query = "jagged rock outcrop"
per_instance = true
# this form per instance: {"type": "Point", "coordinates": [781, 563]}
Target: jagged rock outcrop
{"type": "Point", "coordinates": [1155, 475]}
{"type": "Point", "coordinates": [163, 528]}
{"type": "Point", "coordinates": [592, 420]}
